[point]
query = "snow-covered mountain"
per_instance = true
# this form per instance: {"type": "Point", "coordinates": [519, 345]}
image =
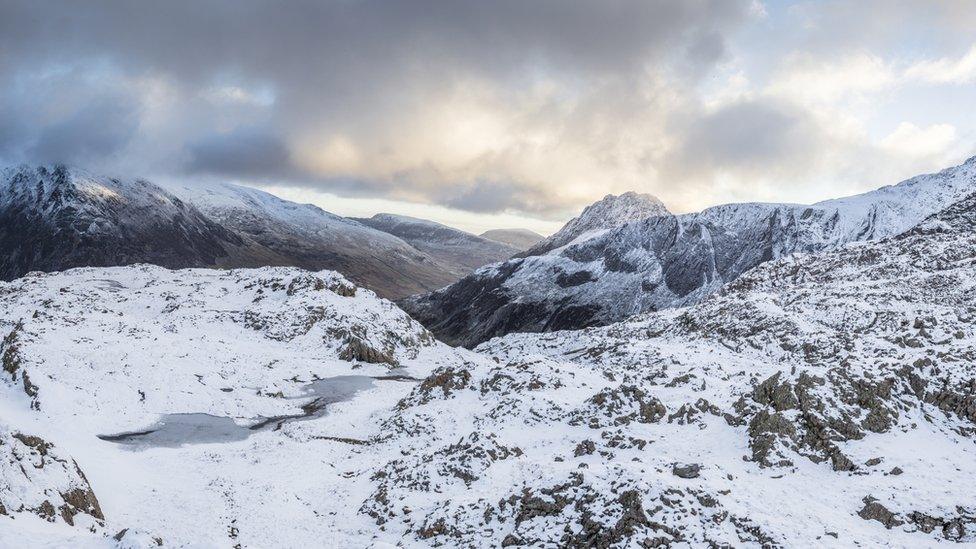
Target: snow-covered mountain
{"type": "Point", "coordinates": [819, 400]}
{"type": "Point", "coordinates": [669, 260]}
{"type": "Point", "coordinates": [521, 239]}
{"type": "Point", "coordinates": [459, 252]}
{"type": "Point", "coordinates": [599, 217]}
{"type": "Point", "coordinates": [53, 218]}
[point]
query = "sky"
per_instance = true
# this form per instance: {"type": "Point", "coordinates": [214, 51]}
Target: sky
{"type": "Point", "coordinates": [494, 114]}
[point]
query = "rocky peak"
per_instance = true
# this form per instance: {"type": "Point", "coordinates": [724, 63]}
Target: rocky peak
{"type": "Point", "coordinates": [610, 212]}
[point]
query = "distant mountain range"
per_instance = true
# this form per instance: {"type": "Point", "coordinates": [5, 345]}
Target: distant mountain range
{"type": "Point", "coordinates": [598, 270]}
{"type": "Point", "coordinates": [621, 256]}
{"type": "Point", "coordinates": [459, 252]}
{"type": "Point", "coordinates": [54, 218]}
{"type": "Point", "coordinates": [522, 239]}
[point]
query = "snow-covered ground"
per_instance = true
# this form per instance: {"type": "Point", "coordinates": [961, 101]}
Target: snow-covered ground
{"type": "Point", "coordinates": [111, 350]}
{"type": "Point", "coordinates": [819, 400]}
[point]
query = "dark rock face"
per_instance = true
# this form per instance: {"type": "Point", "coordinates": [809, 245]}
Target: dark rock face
{"type": "Point", "coordinates": [873, 510]}
{"type": "Point", "coordinates": [564, 280]}
{"type": "Point", "coordinates": [691, 470]}
{"type": "Point", "coordinates": [355, 349]}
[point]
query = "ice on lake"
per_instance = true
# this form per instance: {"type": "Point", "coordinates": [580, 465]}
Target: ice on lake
{"type": "Point", "coordinates": [174, 430]}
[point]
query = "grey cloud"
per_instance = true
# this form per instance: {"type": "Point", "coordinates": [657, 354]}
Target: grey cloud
{"type": "Point", "coordinates": [347, 66]}
{"type": "Point", "coordinates": [97, 130]}
{"type": "Point", "coordinates": [487, 196]}
{"type": "Point", "coordinates": [248, 152]}
{"type": "Point", "coordinates": [707, 49]}
{"type": "Point", "coordinates": [749, 138]}
{"type": "Point", "coordinates": [882, 25]}
{"type": "Point", "coordinates": [193, 38]}
{"type": "Point", "coordinates": [12, 132]}
{"type": "Point", "coordinates": [744, 134]}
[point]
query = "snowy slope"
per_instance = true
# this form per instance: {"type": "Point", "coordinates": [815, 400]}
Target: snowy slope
{"type": "Point", "coordinates": [54, 218]}
{"type": "Point", "coordinates": [304, 235]}
{"type": "Point", "coordinates": [818, 401]}
{"type": "Point", "coordinates": [459, 252]}
{"type": "Point", "coordinates": [667, 261]}
{"type": "Point", "coordinates": [92, 353]}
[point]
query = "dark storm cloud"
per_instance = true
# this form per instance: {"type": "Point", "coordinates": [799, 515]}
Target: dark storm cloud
{"type": "Point", "coordinates": [345, 66]}
{"type": "Point", "coordinates": [249, 152]}
{"type": "Point", "coordinates": [11, 133]}
{"type": "Point", "coordinates": [97, 130]}
{"type": "Point", "coordinates": [195, 38]}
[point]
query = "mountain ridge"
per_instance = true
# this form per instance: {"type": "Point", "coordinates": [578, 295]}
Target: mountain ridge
{"type": "Point", "coordinates": [58, 217]}
{"type": "Point", "coordinates": [823, 397]}
{"type": "Point", "coordinates": [669, 260]}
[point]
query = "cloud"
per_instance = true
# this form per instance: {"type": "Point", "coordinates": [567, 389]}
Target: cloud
{"type": "Point", "coordinates": [810, 79]}
{"type": "Point", "coordinates": [910, 140]}
{"type": "Point", "coordinates": [748, 135]}
{"type": "Point", "coordinates": [508, 106]}
{"type": "Point", "coordinates": [946, 70]}
{"type": "Point", "coordinates": [246, 152]}
{"type": "Point", "coordinates": [423, 101]}
{"type": "Point", "coordinates": [99, 129]}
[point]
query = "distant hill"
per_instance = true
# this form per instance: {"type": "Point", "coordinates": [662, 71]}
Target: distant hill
{"type": "Point", "coordinates": [523, 239]}
{"type": "Point", "coordinates": [457, 251]}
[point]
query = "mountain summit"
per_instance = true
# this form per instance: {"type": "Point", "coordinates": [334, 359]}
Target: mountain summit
{"type": "Point", "coordinates": [610, 212]}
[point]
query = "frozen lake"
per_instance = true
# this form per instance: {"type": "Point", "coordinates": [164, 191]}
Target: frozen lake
{"type": "Point", "coordinates": [174, 430]}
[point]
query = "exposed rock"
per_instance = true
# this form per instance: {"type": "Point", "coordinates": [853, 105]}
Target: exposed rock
{"type": "Point", "coordinates": [619, 406]}
{"type": "Point", "coordinates": [584, 448]}
{"type": "Point", "coordinates": [873, 510]}
{"type": "Point", "coordinates": [690, 470]}
{"type": "Point", "coordinates": [37, 478]}
{"type": "Point", "coordinates": [355, 349]}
